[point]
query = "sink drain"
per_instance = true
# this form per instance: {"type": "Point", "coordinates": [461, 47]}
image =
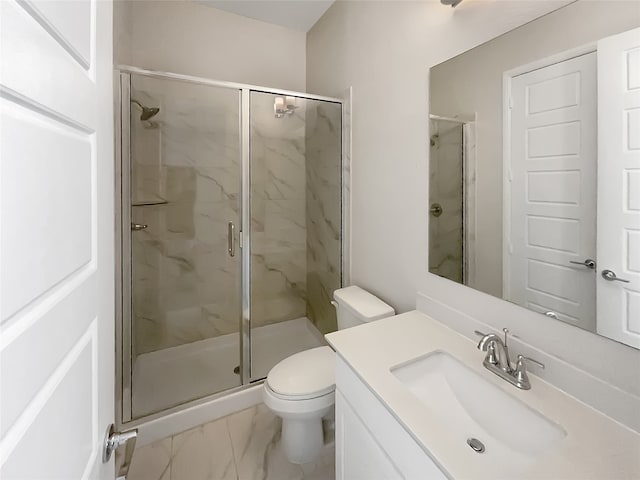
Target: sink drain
{"type": "Point", "coordinates": [476, 445]}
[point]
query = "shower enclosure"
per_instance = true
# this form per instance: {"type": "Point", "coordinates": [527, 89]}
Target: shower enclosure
{"type": "Point", "coordinates": [231, 234]}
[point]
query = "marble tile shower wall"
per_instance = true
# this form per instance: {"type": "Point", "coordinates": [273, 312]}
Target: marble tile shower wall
{"type": "Point", "coordinates": [184, 285]}
{"type": "Point", "coordinates": [278, 229]}
{"type": "Point", "coordinates": [323, 211]}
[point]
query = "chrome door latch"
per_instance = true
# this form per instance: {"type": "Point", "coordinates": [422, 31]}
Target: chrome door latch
{"type": "Point", "coordinates": [112, 441]}
{"type": "Point", "coordinates": [589, 263]}
{"type": "Point", "coordinates": [611, 276]}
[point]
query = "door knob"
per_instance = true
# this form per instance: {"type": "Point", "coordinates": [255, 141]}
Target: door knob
{"type": "Point", "coordinates": [611, 276]}
{"type": "Point", "coordinates": [112, 441]}
{"type": "Point", "coordinates": [589, 263]}
{"type": "Point", "coordinates": [138, 226]}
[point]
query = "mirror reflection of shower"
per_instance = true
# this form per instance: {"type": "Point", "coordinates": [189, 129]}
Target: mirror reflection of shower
{"type": "Point", "coordinates": [450, 191]}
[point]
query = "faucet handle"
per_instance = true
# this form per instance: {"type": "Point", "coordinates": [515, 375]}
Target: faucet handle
{"type": "Point", "coordinates": [531, 360]}
{"type": "Point", "coordinates": [520, 372]}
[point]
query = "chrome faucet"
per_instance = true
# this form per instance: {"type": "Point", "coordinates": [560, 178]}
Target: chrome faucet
{"type": "Point", "coordinates": [497, 360]}
{"type": "Point", "coordinates": [497, 351]}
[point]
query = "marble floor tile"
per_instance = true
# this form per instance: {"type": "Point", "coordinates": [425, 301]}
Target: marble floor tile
{"type": "Point", "coordinates": [324, 468]}
{"type": "Point", "coordinates": [243, 446]}
{"type": "Point", "coordinates": [152, 462]}
{"type": "Point", "coordinates": [255, 435]}
{"type": "Point", "coordinates": [278, 467]}
{"type": "Point", "coordinates": [204, 453]}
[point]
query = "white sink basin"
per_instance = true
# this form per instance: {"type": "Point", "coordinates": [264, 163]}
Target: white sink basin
{"type": "Point", "coordinates": [471, 407]}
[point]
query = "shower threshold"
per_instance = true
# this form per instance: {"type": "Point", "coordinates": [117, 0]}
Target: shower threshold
{"type": "Point", "coordinates": [166, 378]}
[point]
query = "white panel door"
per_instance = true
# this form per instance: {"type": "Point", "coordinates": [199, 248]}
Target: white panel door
{"type": "Point", "coordinates": [56, 238]}
{"type": "Point", "coordinates": [553, 189]}
{"type": "Point", "coordinates": [619, 186]}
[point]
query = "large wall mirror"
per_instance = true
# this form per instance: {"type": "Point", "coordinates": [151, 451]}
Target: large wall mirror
{"type": "Point", "coordinates": [534, 186]}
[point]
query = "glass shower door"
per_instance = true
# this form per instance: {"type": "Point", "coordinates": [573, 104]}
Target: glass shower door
{"type": "Point", "coordinates": [296, 230]}
{"type": "Point", "coordinates": [185, 180]}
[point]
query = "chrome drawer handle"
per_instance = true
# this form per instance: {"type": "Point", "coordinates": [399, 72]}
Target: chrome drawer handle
{"type": "Point", "coordinates": [138, 226]}
{"type": "Point", "coordinates": [611, 276]}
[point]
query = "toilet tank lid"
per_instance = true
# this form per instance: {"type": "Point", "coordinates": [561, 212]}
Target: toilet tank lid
{"type": "Point", "coordinates": [362, 303]}
{"type": "Point", "coordinates": [305, 374]}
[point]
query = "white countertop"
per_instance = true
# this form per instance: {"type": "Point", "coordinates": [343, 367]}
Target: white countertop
{"type": "Point", "coordinates": [596, 447]}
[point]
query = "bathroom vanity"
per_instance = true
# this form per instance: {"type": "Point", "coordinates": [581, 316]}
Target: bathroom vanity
{"type": "Point", "coordinates": [370, 441]}
{"type": "Point", "coordinates": [413, 400]}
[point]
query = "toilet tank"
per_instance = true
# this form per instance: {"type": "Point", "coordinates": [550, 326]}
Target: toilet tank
{"type": "Point", "coordinates": [356, 306]}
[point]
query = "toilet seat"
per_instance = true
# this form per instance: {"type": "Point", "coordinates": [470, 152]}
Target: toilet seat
{"type": "Point", "coordinates": [294, 398]}
{"type": "Point", "coordinates": [303, 376]}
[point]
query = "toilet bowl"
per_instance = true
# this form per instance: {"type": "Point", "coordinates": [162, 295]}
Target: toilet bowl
{"type": "Point", "coordinates": [301, 388]}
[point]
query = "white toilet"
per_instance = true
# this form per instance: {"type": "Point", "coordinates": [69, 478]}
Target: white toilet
{"type": "Point", "coordinates": [300, 388]}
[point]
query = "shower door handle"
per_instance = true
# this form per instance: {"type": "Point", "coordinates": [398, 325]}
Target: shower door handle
{"type": "Point", "coordinates": [231, 244]}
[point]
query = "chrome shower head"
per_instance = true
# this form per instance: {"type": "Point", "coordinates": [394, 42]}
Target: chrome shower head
{"type": "Point", "coordinates": [147, 112]}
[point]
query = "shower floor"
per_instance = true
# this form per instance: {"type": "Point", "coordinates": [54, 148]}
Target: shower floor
{"type": "Point", "coordinates": [170, 377]}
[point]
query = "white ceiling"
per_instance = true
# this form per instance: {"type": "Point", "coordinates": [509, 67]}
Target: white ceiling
{"type": "Point", "coordinates": [295, 14]}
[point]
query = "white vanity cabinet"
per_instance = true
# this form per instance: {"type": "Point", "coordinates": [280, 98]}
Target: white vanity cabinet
{"type": "Point", "coordinates": [370, 443]}
{"type": "Point", "coordinates": [410, 391]}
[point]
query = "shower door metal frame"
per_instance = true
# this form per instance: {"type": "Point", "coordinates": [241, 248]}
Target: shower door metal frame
{"type": "Point", "coordinates": [124, 358]}
{"type": "Point", "coordinates": [245, 236]}
{"type": "Point", "coordinates": [123, 248]}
